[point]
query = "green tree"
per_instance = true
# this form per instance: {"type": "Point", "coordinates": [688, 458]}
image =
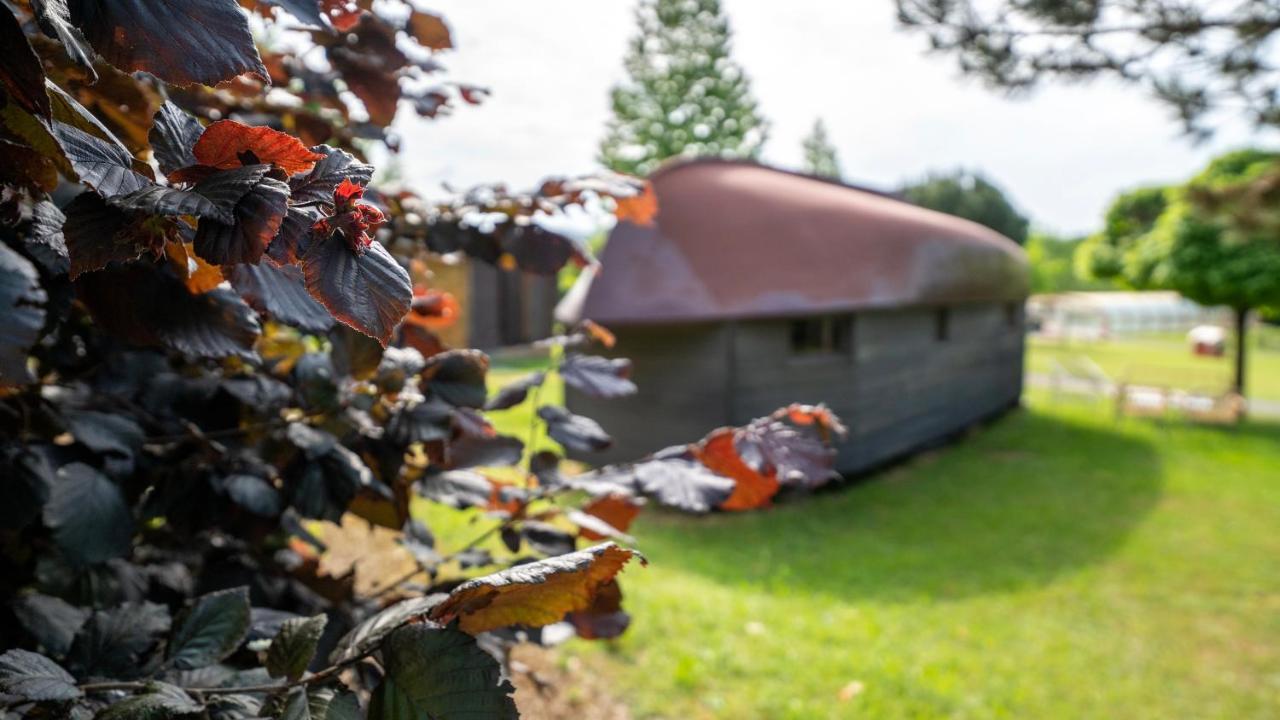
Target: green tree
{"type": "Point", "coordinates": [820, 154]}
{"type": "Point", "coordinates": [685, 96]}
{"type": "Point", "coordinates": [1052, 267]}
{"type": "Point", "coordinates": [1184, 239]}
{"type": "Point", "coordinates": [1196, 55]}
{"type": "Point", "coordinates": [971, 196]}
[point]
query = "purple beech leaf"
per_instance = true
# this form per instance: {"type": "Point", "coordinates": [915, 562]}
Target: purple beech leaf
{"type": "Point", "coordinates": [597, 376]}
{"type": "Point", "coordinates": [369, 291]}
{"type": "Point", "coordinates": [184, 42]}
{"type": "Point", "coordinates": [173, 133]}
{"type": "Point", "coordinates": [280, 291]}
{"type": "Point", "coordinates": [22, 314]}
{"type": "Point", "coordinates": [257, 219]}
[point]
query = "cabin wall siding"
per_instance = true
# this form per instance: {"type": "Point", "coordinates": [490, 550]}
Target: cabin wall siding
{"type": "Point", "coordinates": [682, 372]}
{"type": "Point", "coordinates": [898, 388]}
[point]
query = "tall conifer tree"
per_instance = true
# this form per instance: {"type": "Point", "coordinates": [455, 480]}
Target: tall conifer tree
{"type": "Point", "coordinates": [684, 96]}
{"type": "Point", "coordinates": [819, 154]}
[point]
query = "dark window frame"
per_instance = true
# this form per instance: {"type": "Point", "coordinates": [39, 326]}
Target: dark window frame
{"type": "Point", "coordinates": [822, 336]}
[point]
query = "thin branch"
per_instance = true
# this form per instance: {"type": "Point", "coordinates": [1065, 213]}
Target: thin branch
{"type": "Point", "coordinates": [322, 676]}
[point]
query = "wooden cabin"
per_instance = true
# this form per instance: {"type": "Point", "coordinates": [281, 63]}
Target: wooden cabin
{"type": "Point", "coordinates": [498, 307]}
{"type": "Point", "coordinates": [755, 287]}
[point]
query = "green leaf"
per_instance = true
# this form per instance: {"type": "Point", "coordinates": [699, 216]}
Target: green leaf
{"type": "Point", "coordinates": [32, 676]}
{"type": "Point", "coordinates": [211, 630]}
{"type": "Point", "coordinates": [160, 702]}
{"type": "Point", "coordinates": [52, 621]}
{"type": "Point", "coordinates": [323, 703]}
{"type": "Point", "coordinates": [294, 646]}
{"type": "Point", "coordinates": [88, 515]}
{"type": "Point", "coordinates": [445, 674]}
{"type": "Point", "coordinates": [119, 643]}
{"type": "Point", "coordinates": [388, 702]}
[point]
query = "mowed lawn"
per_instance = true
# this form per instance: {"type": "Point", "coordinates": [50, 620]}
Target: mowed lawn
{"type": "Point", "coordinates": [1056, 564]}
{"type": "Point", "coordinates": [1166, 358]}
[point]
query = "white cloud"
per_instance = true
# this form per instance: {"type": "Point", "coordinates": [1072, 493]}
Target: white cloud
{"type": "Point", "coordinates": [893, 111]}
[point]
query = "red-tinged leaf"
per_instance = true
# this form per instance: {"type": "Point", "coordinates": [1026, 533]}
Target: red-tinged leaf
{"type": "Point", "coordinates": [105, 166]}
{"type": "Point", "coordinates": [370, 64]}
{"type": "Point", "coordinates": [534, 594]}
{"type": "Point", "coordinates": [639, 209]}
{"type": "Point", "coordinates": [332, 169]}
{"type": "Point", "coordinates": [369, 292]}
{"type": "Point", "coordinates": [184, 42]}
{"type": "Point", "coordinates": [158, 310]}
{"type": "Point", "coordinates": [433, 309]}
{"type": "Point", "coordinates": [752, 488]}
{"type": "Point", "coordinates": [599, 333]}
{"type": "Point", "coordinates": [421, 339]}
{"type": "Point", "coordinates": [25, 166]}
{"type": "Point", "coordinates": [258, 216]}
{"type": "Point", "coordinates": [821, 416]}
{"type": "Point", "coordinates": [575, 432]}
{"type": "Point", "coordinates": [226, 143]}
{"type": "Point", "coordinates": [618, 511]}
{"type": "Point", "coordinates": [796, 458]}
{"type": "Point", "coordinates": [294, 237]}
{"type": "Point", "coordinates": [21, 74]}
{"type": "Point", "coordinates": [429, 30]}
{"type": "Point", "coordinates": [22, 314]}
{"type": "Point", "coordinates": [515, 393]}
{"type": "Point", "coordinates": [597, 376]}
{"type": "Point", "coordinates": [173, 134]}
{"type": "Point", "coordinates": [458, 377]}
{"type": "Point", "coordinates": [352, 220]}
{"type": "Point", "coordinates": [604, 619]}
{"type": "Point", "coordinates": [279, 291]}
{"type": "Point", "coordinates": [344, 15]}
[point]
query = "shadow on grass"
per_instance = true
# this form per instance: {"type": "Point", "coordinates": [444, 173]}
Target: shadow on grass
{"type": "Point", "coordinates": [1016, 504]}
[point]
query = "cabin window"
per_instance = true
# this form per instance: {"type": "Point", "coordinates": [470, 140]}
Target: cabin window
{"type": "Point", "coordinates": [828, 335]}
{"type": "Point", "coordinates": [942, 324]}
{"type": "Point", "coordinates": [1011, 315]}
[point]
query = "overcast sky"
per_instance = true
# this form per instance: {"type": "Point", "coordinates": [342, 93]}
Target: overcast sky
{"type": "Point", "coordinates": [893, 110]}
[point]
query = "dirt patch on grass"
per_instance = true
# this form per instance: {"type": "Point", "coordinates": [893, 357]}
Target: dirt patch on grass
{"type": "Point", "coordinates": [549, 687]}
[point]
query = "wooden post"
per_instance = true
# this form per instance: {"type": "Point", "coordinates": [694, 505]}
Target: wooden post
{"type": "Point", "coordinates": [1242, 327]}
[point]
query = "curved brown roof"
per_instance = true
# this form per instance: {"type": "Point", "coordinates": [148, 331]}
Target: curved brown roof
{"type": "Point", "coordinates": [740, 240]}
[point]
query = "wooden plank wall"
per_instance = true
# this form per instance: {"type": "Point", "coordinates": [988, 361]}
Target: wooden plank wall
{"type": "Point", "coordinates": [682, 375]}
{"type": "Point", "coordinates": [900, 387]}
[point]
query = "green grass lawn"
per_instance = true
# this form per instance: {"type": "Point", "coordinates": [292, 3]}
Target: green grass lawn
{"type": "Point", "coordinates": [1054, 565]}
{"type": "Point", "coordinates": [1163, 357]}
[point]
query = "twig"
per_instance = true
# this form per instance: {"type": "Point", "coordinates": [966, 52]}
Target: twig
{"type": "Point", "coordinates": [319, 677]}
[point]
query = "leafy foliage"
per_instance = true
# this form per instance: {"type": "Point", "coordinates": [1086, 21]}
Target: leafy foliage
{"type": "Point", "coordinates": [221, 394]}
{"type": "Point", "coordinates": [820, 157]}
{"type": "Point", "coordinates": [1210, 239]}
{"type": "Point", "coordinates": [972, 197]}
{"type": "Point", "coordinates": [1198, 57]}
